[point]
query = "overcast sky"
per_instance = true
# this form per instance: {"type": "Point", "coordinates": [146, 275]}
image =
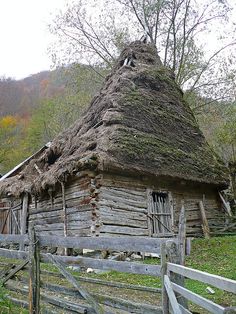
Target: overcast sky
{"type": "Point", "coordinates": [24, 35]}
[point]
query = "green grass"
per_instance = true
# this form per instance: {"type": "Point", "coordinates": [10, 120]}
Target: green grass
{"type": "Point", "coordinates": [6, 307]}
{"type": "Point", "coordinates": [216, 255]}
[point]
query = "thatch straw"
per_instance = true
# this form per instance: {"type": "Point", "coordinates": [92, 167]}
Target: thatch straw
{"type": "Point", "coordinates": [139, 123]}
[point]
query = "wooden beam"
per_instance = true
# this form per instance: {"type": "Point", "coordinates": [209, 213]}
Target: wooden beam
{"type": "Point", "coordinates": [199, 300]}
{"type": "Point", "coordinates": [171, 295]}
{"type": "Point", "coordinates": [24, 216]}
{"type": "Point", "coordinates": [226, 205]}
{"type": "Point", "coordinates": [5, 220]}
{"type": "Point", "coordinates": [205, 226]}
{"type": "Point", "coordinates": [95, 305]}
{"type": "Point", "coordinates": [210, 279]}
{"type": "Point", "coordinates": [165, 304]}
{"type": "Point", "coordinates": [126, 267]}
{"type": "Point", "coordinates": [173, 256]}
{"type": "Point", "coordinates": [123, 243]}
{"type": "Point", "coordinates": [12, 273]}
{"type": "Point", "coordinates": [64, 213]}
{"type": "Point", "coordinates": [182, 235]}
{"type": "Point", "coordinates": [34, 273]}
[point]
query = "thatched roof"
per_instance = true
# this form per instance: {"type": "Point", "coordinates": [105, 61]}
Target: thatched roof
{"type": "Point", "coordinates": [139, 123]}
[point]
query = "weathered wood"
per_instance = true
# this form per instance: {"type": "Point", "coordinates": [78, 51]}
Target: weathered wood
{"type": "Point", "coordinates": [165, 304]}
{"type": "Point", "coordinates": [184, 310]}
{"type": "Point", "coordinates": [120, 205]}
{"type": "Point", "coordinates": [98, 308]}
{"type": "Point", "coordinates": [123, 230]}
{"type": "Point", "coordinates": [64, 213]}
{"type": "Point", "coordinates": [173, 255]}
{"type": "Point", "coordinates": [12, 273]}
{"type": "Point", "coordinates": [114, 302]}
{"type": "Point", "coordinates": [107, 283]}
{"type": "Point", "coordinates": [230, 310]}
{"type": "Point", "coordinates": [182, 235]}
{"type": "Point", "coordinates": [119, 220]}
{"type": "Point", "coordinates": [34, 273]}
{"type": "Point", "coordinates": [126, 267]}
{"type": "Point", "coordinates": [205, 226]}
{"type": "Point", "coordinates": [135, 244]}
{"type": "Point", "coordinates": [199, 300]}
{"type": "Point", "coordinates": [13, 254]}
{"type": "Point", "coordinates": [24, 215]}
{"type": "Point", "coordinates": [210, 279]}
{"type": "Point", "coordinates": [13, 238]}
{"type": "Point", "coordinates": [5, 220]}
{"type": "Point", "coordinates": [21, 303]}
{"type": "Point", "coordinates": [226, 205]}
{"type": "Point", "coordinates": [15, 218]}
{"type": "Point", "coordinates": [171, 295]}
{"type": "Point", "coordinates": [58, 302]}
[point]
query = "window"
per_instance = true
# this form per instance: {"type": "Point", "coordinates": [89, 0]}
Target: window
{"type": "Point", "coordinates": [159, 214]}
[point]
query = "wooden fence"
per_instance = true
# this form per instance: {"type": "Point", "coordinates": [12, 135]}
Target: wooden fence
{"type": "Point", "coordinates": [173, 294]}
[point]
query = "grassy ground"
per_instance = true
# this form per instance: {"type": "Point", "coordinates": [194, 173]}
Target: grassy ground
{"type": "Point", "coordinates": [216, 256]}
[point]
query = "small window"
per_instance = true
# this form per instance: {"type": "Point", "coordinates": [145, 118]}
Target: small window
{"type": "Point", "coordinates": [160, 214]}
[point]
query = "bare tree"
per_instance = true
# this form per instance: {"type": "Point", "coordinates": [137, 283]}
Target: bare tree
{"type": "Point", "coordinates": [180, 29]}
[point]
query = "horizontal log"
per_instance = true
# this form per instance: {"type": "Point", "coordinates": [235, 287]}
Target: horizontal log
{"type": "Point", "coordinates": [124, 201]}
{"type": "Point", "coordinates": [13, 238]}
{"type": "Point", "coordinates": [106, 282]}
{"type": "Point", "coordinates": [199, 300]}
{"type": "Point", "coordinates": [126, 267]}
{"type": "Point", "coordinates": [112, 204]}
{"type": "Point", "coordinates": [105, 210]}
{"type": "Point", "coordinates": [59, 302]}
{"type": "Point", "coordinates": [114, 219]}
{"type": "Point", "coordinates": [128, 191]}
{"type": "Point", "coordinates": [123, 230]}
{"type": "Point", "coordinates": [137, 244]}
{"type": "Point", "coordinates": [13, 254]}
{"type": "Point", "coordinates": [22, 303]}
{"type": "Point", "coordinates": [210, 279]}
{"type": "Point", "coordinates": [124, 193]}
{"type": "Point", "coordinates": [114, 302]}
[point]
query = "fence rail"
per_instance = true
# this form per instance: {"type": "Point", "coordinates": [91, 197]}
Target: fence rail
{"type": "Point", "coordinates": [172, 283]}
{"type": "Point", "coordinates": [174, 294]}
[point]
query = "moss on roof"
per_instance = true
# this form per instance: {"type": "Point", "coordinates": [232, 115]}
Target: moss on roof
{"type": "Point", "coordinates": [139, 123]}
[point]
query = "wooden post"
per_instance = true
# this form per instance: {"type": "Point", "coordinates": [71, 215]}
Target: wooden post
{"type": "Point", "coordinates": [24, 214]}
{"type": "Point", "coordinates": [64, 213]}
{"type": "Point", "coordinates": [165, 303]}
{"type": "Point", "coordinates": [173, 256]}
{"type": "Point", "coordinates": [34, 273]}
{"type": "Point", "coordinates": [182, 235]}
{"type": "Point", "coordinates": [205, 226]}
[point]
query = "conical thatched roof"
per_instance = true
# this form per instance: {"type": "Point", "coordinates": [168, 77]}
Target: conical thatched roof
{"type": "Point", "coordinates": [138, 124]}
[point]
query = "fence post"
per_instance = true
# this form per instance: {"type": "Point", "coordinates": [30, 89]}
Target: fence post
{"type": "Point", "coordinates": [34, 272]}
{"type": "Point", "coordinates": [165, 303]}
{"type": "Point", "coordinates": [174, 256]}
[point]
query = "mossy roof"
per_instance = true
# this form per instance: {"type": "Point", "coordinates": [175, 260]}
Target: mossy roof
{"type": "Point", "coordinates": [138, 124]}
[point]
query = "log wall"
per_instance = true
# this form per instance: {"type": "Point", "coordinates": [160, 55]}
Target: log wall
{"type": "Point", "coordinates": [123, 205]}
{"type": "Point", "coordinates": [114, 205]}
{"type": "Point", "coordinates": [47, 213]}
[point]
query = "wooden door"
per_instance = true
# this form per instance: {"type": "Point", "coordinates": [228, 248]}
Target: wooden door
{"type": "Point", "coordinates": [160, 214]}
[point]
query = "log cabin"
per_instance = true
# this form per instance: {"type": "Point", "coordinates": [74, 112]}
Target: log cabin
{"type": "Point", "coordinates": [126, 166]}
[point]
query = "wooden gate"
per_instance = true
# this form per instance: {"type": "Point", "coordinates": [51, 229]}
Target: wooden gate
{"type": "Point", "coordinates": [160, 214]}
